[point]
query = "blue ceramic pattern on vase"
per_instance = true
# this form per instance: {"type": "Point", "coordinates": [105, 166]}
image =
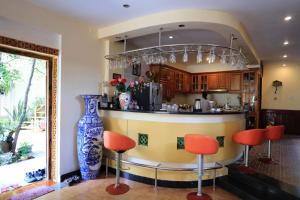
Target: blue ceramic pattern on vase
{"type": "Point", "coordinates": [90, 139]}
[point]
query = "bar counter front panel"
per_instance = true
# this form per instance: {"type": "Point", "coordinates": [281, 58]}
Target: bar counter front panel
{"type": "Point", "coordinates": [163, 132]}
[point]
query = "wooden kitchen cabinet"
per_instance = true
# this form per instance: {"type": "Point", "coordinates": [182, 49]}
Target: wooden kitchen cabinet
{"type": "Point", "coordinates": [186, 83]}
{"type": "Point", "coordinates": [203, 82]}
{"type": "Point", "coordinates": [235, 82]}
{"type": "Point", "coordinates": [196, 80]}
{"type": "Point", "coordinates": [167, 79]}
{"type": "Point", "coordinates": [217, 81]}
{"type": "Point", "coordinates": [212, 81]}
{"type": "Point", "coordinates": [179, 81]}
{"type": "Point", "coordinates": [222, 80]}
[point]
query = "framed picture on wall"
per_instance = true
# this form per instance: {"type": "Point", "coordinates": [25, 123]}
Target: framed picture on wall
{"type": "Point", "coordinates": [136, 69]}
{"type": "Point", "coordinates": [116, 76]}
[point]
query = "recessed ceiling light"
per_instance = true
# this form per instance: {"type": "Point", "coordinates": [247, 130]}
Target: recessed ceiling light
{"type": "Point", "coordinates": [126, 5]}
{"type": "Point", "coordinates": [284, 56]}
{"type": "Point", "coordinates": [288, 18]}
{"type": "Point", "coordinates": [283, 65]}
{"type": "Point", "coordinates": [285, 42]}
{"type": "Point", "coordinates": [171, 37]}
{"type": "Point", "coordinates": [181, 25]}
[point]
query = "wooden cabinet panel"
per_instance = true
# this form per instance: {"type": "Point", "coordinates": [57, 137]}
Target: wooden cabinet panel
{"type": "Point", "coordinates": [212, 81]}
{"type": "Point", "coordinates": [186, 83]}
{"type": "Point", "coordinates": [167, 78]}
{"type": "Point", "coordinates": [222, 81]}
{"type": "Point", "coordinates": [235, 82]}
{"type": "Point", "coordinates": [217, 81]}
{"type": "Point", "coordinates": [195, 79]}
{"type": "Point", "coordinates": [179, 81]}
{"type": "Point", "coordinates": [203, 82]}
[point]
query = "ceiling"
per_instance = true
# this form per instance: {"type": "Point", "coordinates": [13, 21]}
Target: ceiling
{"type": "Point", "coordinates": [263, 20]}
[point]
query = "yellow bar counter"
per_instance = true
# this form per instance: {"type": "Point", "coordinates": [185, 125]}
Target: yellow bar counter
{"type": "Point", "coordinates": [159, 140]}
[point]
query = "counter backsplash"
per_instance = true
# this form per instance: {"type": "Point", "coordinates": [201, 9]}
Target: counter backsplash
{"type": "Point", "coordinates": [220, 99]}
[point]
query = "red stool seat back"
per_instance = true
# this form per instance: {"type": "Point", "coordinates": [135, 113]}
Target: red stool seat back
{"type": "Point", "coordinates": [250, 137]}
{"type": "Point", "coordinates": [200, 144]}
{"type": "Point", "coordinates": [117, 142]}
{"type": "Point", "coordinates": [274, 132]}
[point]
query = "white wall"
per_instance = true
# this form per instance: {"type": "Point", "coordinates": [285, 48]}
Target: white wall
{"type": "Point", "coordinates": [80, 69]}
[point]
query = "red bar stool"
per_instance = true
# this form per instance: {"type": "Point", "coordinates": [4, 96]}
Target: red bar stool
{"type": "Point", "coordinates": [200, 145]}
{"type": "Point", "coordinates": [118, 143]}
{"type": "Point", "coordinates": [248, 138]}
{"type": "Point", "coordinates": [272, 133]}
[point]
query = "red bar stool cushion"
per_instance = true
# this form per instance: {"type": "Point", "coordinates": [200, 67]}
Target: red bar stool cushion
{"type": "Point", "coordinates": [200, 144]}
{"type": "Point", "coordinates": [274, 132]}
{"type": "Point", "coordinates": [251, 137]}
{"type": "Point", "coordinates": [117, 142]}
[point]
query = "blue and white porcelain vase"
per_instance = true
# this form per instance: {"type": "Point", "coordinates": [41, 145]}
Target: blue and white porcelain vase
{"type": "Point", "coordinates": [90, 139]}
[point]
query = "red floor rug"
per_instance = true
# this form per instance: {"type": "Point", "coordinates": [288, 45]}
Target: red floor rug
{"type": "Point", "coordinates": [33, 193]}
{"type": "Point", "coordinates": [193, 196]}
{"type": "Point", "coordinates": [121, 189]}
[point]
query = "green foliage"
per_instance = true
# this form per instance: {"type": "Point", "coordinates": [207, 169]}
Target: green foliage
{"type": "Point", "coordinates": [7, 78]}
{"type": "Point", "coordinates": [5, 128]}
{"type": "Point", "coordinates": [15, 116]}
{"type": "Point", "coordinates": [2, 131]}
{"type": "Point", "coordinates": [24, 149]}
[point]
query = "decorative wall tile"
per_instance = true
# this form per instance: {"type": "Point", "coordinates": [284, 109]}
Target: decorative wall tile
{"type": "Point", "coordinates": [143, 139]}
{"type": "Point", "coordinates": [180, 142]}
{"type": "Point", "coordinates": [220, 139]}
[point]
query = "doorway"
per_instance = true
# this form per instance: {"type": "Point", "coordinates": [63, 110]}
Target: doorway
{"type": "Point", "coordinates": [26, 117]}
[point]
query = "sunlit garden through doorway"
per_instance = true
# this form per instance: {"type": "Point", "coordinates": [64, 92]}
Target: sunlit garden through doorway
{"type": "Point", "coordinates": [23, 123]}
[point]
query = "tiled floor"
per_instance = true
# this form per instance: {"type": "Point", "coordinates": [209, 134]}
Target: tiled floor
{"type": "Point", "coordinates": [287, 153]}
{"type": "Point", "coordinates": [95, 190]}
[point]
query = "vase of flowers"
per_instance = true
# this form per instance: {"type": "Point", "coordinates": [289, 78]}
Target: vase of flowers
{"type": "Point", "coordinates": [124, 92]}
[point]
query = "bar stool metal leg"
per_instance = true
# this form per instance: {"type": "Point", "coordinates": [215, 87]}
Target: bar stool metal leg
{"type": "Point", "coordinates": [246, 155]}
{"type": "Point", "coordinates": [269, 149]}
{"type": "Point", "coordinates": [118, 160]}
{"type": "Point", "coordinates": [214, 180]}
{"type": "Point", "coordinates": [117, 188]}
{"type": "Point", "coordinates": [199, 195]}
{"type": "Point", "coordinates": [106, 167]}
{"type": "Point", "coordinates": [155, 181]}
{"type": "Point", "coordinates": [200, 174]}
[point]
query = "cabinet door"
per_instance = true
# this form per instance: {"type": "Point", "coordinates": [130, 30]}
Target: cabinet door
{"type": "Point", "coordinates": [212, 81]}
{"type": "Point", "coordinates": [179, 81]}
{"type": "Point", "coordinates": [235, 82]}
{"type": "Point", "coordinates": [195, 83]}
{"type": "Point", "coordinates": [222, 81]}
{"type": "Point", "coordinates": [203, 82]}
{"type": "Point", "coordinates": [171, 84]}
{"type": "Point", "coordinates": [167, 79]}
{"type": "Point", "coordinates": [186, 83]}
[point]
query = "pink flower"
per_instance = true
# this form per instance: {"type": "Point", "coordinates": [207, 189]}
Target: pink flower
{"type": "Point", "coordinates": [131, 84]}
